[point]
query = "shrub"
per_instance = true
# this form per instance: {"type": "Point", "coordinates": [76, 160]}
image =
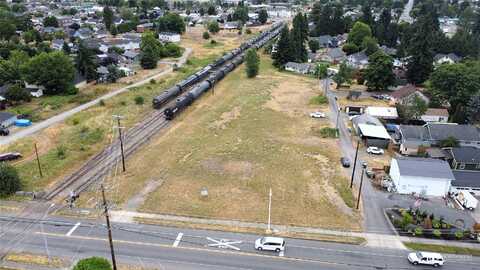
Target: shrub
{"type": "Point", "coordinates": [418, 231]}
{"type": "Point", "coordinates": [93, 263]}
{"type": "Point", "coordinates": [459, 234]}
{"type": "Point", "coordinates": [9, 180]}
{"type": "Point", "coordinates": [397, 222]}
{"type": "Point", "coordinates": [240, 32]}
{"type": "Point", "coordinates": [153, 81]}
{"type": "Point", "coordinates": [319, 100]}
{"type": "Point", "coordinates": [139, 100]}
{"type": "Point", "coordinates": [61, 152]}
{"type": "Point", "coordinates": [206, 35]}
{"type": "Point", "coordinates": [75, 121]}
{"type": "Point", "coordinates": [437, 233]}
{"type": "Point", "coordinates": [123, 103]}
{"type": "Point", "coordinates": [101, 102]}
{"type": "Point", "coordinates": [213, 41]}
{"type": "Point", "coordinates": [435, 223]}
{"type": "Point", "coordinates": [328, 132]}
{"type": "Point", "coordinates": [406, 220]}
{"type": "Point", "coordinates": [248, 31]}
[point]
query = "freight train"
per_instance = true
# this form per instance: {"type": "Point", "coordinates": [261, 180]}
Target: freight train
{"type": "Point", "coordinates": [213, 73]}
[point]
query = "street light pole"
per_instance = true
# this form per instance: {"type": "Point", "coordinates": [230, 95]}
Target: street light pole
{"type": "Point", "coordinates": [269, 229]}
{"type": "Point", "coordinates": [354, 164]}
{"type": "Point", "coordinates": [364, 165]}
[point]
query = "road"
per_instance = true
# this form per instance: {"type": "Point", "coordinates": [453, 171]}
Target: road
{"type": "Point", "coordinates": [34, 128]}
{"type": "Point", "coordinates": [405, 17]}
{"type": "Point", "coordinates": [175, 248]}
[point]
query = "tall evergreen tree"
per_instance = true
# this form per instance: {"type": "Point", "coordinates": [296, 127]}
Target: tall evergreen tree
{"type": "Point", "coordinates": [107, 17]}
{"type": "Point", "coordinates": [298, 39]}
{"type": "Point", "coordinates": [283, 52]}
{"type": "Point", "coordinates": [85, 62]}
{"type": "Point", "coordinates": [367, 16]}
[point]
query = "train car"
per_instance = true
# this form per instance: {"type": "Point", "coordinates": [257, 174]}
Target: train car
{"type": "Point", "coordinates": [181, 103]}
{"type": "Point", "coordinates": [200, 89]}
{"type": "Point", "coordinates": [187, 82]}
{"type": "Point", "coordinates": [163, 98]}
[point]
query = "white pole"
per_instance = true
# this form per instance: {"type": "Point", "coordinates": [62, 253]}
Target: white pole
{"type": "Point", "coordinates": [269, 209]}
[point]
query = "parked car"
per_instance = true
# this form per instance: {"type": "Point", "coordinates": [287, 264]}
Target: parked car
{"type": "Point", "coordinates": [317, 115]}
{"type": "Point", "coordinates": [377, 96]}
{"type": "Point", "coordinates": [276, 244]}
{"type": "Point", "coordinates": [10, 156]}
{"type": "Point", "coordinates": [345, 162]}
{"type": "Point", "coordinates": [4, 131]}
{"type": "Point", "coordinates": [427, 258]}
{"type": "Point", "coordinates": [386, 97]}
{"type": "Point", "coordinates": [375, 150]}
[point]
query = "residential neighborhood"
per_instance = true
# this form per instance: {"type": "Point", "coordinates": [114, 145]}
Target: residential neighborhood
{"type": "Point", "coordinates": [228, 134]}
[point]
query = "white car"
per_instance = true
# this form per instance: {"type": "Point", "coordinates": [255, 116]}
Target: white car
{"type": "Point", "coordinates": [374, 150]}
{"type": "Point", "coordinates": [428, 258]}
{"type": "Point", "coordinates": [276, 244]}
{"type": "Point", "coordinates": [317, 115]}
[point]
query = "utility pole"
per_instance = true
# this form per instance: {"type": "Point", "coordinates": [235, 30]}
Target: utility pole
{"type": "Point", "coordinates": [121, 139]}
{"type": "Point", "coordinates": [38, 161]}
{"type": "Point", "coordinates": [364, 165]}
{"type": "Point", "coordinates": [114, 263]}
{"type": "Point", "coordinates": [269, 229]}
{"type": "Point", "coordinates": [354, 164]}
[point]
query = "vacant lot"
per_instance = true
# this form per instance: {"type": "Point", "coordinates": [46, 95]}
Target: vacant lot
{"type": "Point", "coordinates": [247, 137]}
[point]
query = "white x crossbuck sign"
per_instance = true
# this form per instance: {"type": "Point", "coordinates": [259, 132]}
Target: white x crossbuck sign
{"type": "Point", "coordinates": [223, 243]}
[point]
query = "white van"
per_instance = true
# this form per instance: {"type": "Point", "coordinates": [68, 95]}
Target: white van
{"type": "Point", "coordinates": [428, 258]}
{"type": "Point", "coordinates": [276, 244]}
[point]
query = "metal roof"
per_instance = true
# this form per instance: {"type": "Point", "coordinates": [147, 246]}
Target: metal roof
{"type": "Point", "coordinates": [460, 132]}
{"type": "Point", "coordinates": [466, 154]}
{"type": "Point", "coordinates": [374, 131]}
{"type": "Point", "coordinates": [466, 179]}
{"type": "Point", "coordinates": [425, 167]}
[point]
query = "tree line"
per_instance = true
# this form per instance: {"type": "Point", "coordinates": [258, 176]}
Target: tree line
{"type": "Point", "coordinates": [291, 43]}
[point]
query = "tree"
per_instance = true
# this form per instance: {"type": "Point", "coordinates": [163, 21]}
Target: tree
{"type": "Point", "coordinates": [7, 30]}
{"type": "Point", "coordinates": [213, 27]}
{"type": "Point", "coordinates": [85, 62]}
{"type": "Point", "coordinates": [54, 71]}
{"type": "Point", "coordinates": [313, 45]}
{"type": "Point", "coordinates": [11, 70]}
{"type": "Point", "coordinates": [240, 14]}
{"type": "Point", "coordinates": [113, 73]}
{"type": "Point", "coordinates": [93, 263]}
{"type": "Point", "coordinates": [449, 142]}
{"type": "Point", "coordinates": [252, 62]}
{"type": "Point", "coordinates": [299, 36]}
{"type": "Point", "coordinates": [455, 84]}
{"type": "Point", "coordinates": [344, 75]}
{"type": "Point", "coordinates": [379, 73]}
{"type": "Point", "coordinates": [283, 52]}
{"type": "Point", "coordinates": [211, 10]}
{"type": "Point", "coordinates": [370, 45]}
{"type": "Point", "coordinates": [358, 33]}
{"type": "Point", "coordinates": [350, 48]}
{"type": "Point", "coordinates": [414, 109]}
{"type": "Point", "coordinates": [151, 50]}
{"type": "Point", "coordinates": [367, 17]}
{"type": "Point", "coordinates": [107, 17]}
{"type": "Point", "coordinates": [262, 16]}
{"type": "Point", "coordinates": [473, 110]}
{"type": "Point", "coordinates": [113, 30]}
{"type": "Point", "coordinates": [50, 21]}
{"type": "Point", "coordinates": [321, 71]}
{"type": "Point", "coordinates": [65, 48]}
{"type": "Point", "coordinates": [171, 22]}
{"type": "Point", "coordinates": [16, 94]}
{"type": "Point", "coordinates": [9, 180]}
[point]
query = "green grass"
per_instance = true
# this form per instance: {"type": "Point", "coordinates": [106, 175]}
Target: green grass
{"type": "Point", "coordinates": [211, 45]}
{"type": "Point", "coordinates": [342, 185]}
{"type": "Point", "coordinates": [443, 249]}
{"type": "Point", "coordinates": [328, 132]}
{"type": "Point", "coordinates": [319, 100]}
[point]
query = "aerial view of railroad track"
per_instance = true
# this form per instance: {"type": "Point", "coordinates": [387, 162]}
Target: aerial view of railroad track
{"type": "Point", "coordinates": [187, 91]}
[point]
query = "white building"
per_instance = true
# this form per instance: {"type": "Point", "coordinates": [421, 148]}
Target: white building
{"type": "Point", "coordinates": [433, 115]}
{"type": "Point", "coordinates": [169, 37]}
{"type": "Point", "coordinates": [430, 177]}
{"type": "Point", "coordinates": [382, 112]}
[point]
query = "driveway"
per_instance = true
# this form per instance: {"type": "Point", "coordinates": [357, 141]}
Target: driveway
{"type": "Point", "coordinates": [24, 132]}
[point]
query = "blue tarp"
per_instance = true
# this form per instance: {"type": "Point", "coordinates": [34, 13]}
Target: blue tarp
{"type": "Point", "coordinates": [22, 123]}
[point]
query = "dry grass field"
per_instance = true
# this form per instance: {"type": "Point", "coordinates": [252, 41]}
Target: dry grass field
{"type": "Point", "coordinates": [246, 137]}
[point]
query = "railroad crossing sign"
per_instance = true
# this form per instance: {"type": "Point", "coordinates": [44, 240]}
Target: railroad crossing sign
{"type": "Point", "coordinates": [223, 243]}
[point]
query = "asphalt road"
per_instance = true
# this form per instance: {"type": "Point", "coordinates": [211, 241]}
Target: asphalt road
{"type": "Point", "coordinates": [176, 248]}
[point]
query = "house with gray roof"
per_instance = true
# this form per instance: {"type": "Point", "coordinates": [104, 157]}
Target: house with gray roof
{"type": "Point", "coordinates": [357, 60]}
{"type": "Point", "coordinates": [466, 180]}
{"type": "Point", "coordinates": [464, 158]}
{"type": "Point", "coordinates": [324, 41]}
{"type": "Point", "coordinates": [424, 176]}
{"type": "Point", "coordinates": [301, 68]}
{"type": "Point", "coordinates": [450, 58]}
{"type": "Point", "coordinates": [335, 56]}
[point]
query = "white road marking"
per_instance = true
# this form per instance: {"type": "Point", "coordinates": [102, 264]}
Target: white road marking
{"type": "Point", "coordinates": [178, 239]}
{"type": "Point", "coordinates": [73, 229]}
{"type": "Point", "coordinates": [281, 253]}
{"type": "Point", "coordinates": [223, 243]}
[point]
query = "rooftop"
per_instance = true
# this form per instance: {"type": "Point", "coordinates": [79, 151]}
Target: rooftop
{"type": "Point", "coordinates": [466, 179]}
{"type": "Point", "coordinates": [466, 154]}
{"type": "Point", "coordinates": [424, 167]}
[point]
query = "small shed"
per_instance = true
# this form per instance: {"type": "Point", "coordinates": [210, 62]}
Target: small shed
{"type": "Point", "coordinates": [374, 135]}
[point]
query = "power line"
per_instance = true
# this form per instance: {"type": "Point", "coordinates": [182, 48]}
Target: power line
{"type": "Point", "coordinates": [110, 240]}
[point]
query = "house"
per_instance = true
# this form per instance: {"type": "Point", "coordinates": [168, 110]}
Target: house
{"type": "Point", "coordinates": [298, 67]}
{"type": "Point", "coordinates": [464, 158]}
{"type": "Point", "coordinates": [324, 41]}
{"type": "Point", "coordinates": [311, 57]}
{"type": "Point", "coordinates": [433, 115]}
{"type": "Point", "coordinates": [371, 130]}
{"type": "Point", "coordinates": [231, 26]}
{"type": "Point", "coordinates": [357, 60]}
{"type": "Point", "coordinates": [450, 58]}
{"type": "Point", "coordinates": [83, 33]}
{"type": "Point", "coordinates": [35, 90]}
{"type": "Point", "coordinates": [57, 44]}
{"type": "Point", "coordinates": [425, 176]}
{"type": "Point", "coordinates": [131, 56]}
{"type": "Point", "coordinates": [7, 119]}
{"type": "Point", "coordinates": [466, 180]}
{"type": "Point", "coordinates": [411, 138]}
{"type": "Point", "coordinates": [406, 94]}
{"type": "Point", "coordinates": [387, 113]}
{"type": "Point", "coordinates": [102, 73]}
{"type": "Point", "coordinates": [169, 37]}
{"type": "Point", "coordinates": [335, 56]}
{"type": "Point", "coordinates": [144, 27]}
{"type": "Point", "coordinates": [388, 51]}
